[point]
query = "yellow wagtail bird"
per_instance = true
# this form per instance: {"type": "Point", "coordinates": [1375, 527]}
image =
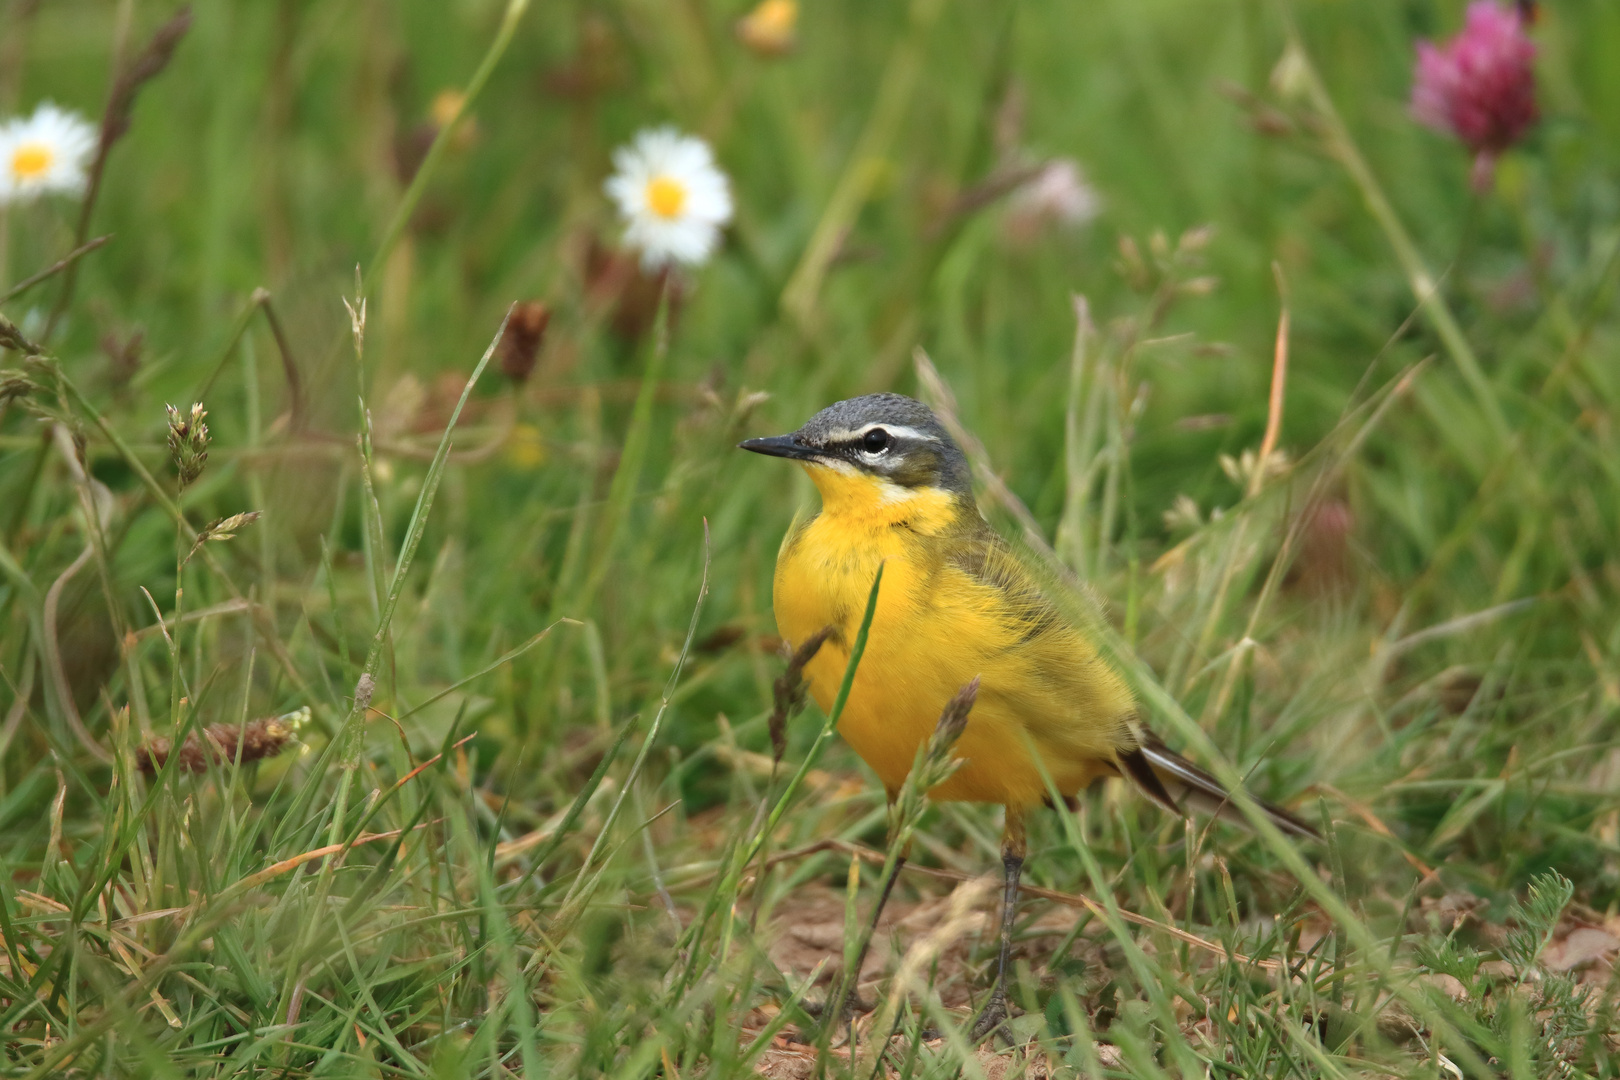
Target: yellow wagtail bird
{"type": "Point", "coordinates": [955, 604]}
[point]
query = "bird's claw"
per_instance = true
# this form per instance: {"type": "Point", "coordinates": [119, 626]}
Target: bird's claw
{"type": "Point", "coordinates": [993, 1018]}
{"type": "Point", "coordinates": [843, 1025]}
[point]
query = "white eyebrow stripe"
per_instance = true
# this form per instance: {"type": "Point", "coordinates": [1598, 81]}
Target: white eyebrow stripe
{"type": "Point", "coordinates": [900, 430]}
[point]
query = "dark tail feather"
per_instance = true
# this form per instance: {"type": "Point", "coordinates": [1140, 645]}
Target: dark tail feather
{"type": "Point", "coordinates": [1176, 784]}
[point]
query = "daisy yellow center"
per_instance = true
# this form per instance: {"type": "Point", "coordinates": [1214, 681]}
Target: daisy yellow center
{"type": "Point", "coordinates": [30, 161]}
{"type": "Point", "coordinates": [665, 197]}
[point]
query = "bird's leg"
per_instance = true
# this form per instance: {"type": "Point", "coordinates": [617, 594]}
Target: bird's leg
{"type": "Point", "coordinates": [1013, 845]}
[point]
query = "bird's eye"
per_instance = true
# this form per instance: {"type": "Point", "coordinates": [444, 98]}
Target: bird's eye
{"type": "Point", "coordinates": [875, 441]}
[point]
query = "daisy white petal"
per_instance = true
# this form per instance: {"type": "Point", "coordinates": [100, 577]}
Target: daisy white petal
{"type": "Point", "coordinates": [672, 196]}
{"type": "Point", "coordinates": [44, 154]}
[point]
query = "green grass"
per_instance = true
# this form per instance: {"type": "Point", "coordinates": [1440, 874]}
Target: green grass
{"type": "Point", "coordinates": [542, 845]}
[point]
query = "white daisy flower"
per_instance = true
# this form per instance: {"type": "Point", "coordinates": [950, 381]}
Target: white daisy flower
{"type": "Point", "coordinates": [44, 154]}
{"type": "Point", "coordinates": [673, 197]}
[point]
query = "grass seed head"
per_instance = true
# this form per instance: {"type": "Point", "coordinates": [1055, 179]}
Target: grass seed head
{"type": "Point", "coordinates": [223, 529]}
{"type": "Point", "coordinates": [13, 338]}
{"type": "Point", "coordinates": [952, 721]}
{"type": "Point", "coordinates": [257, 740]}
{"type": "Point", "coordinates": [525, 333]}
{"type": "Point", "coordinates": [789, 689]}
{"type": "Point", "coordinates": [15, 385]}
{"type": "Point", "coordinates": [188, 442]}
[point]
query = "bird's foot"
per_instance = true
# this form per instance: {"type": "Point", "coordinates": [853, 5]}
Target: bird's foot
{"type": "Point", "coordinates": [853, 1004]}
{"type": "Point", "coordinates": [993, 1018]}
{"type": "Point", "coordinates": [842, 1027]}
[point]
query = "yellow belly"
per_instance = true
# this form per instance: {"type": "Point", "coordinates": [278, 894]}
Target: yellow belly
{"type": "Point", "coordinates": [1045, 695]}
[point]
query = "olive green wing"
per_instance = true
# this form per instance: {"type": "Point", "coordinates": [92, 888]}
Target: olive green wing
{"type": "Point", "coordinates": [1073, 701]}
{"type": "Point", "coordinates": [1071, 695]}
{"type": "Point", "coordinates": [990, 562]}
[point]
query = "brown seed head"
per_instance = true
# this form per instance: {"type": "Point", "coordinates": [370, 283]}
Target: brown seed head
{"type": "Point", "coordinates": [14, 385]}
{"type": "Point", "coordinates": [12, 338]}
{"type": "Point", "coordinates": [790, 689]}
{"type": "Point", "coordinates": [952, 721]}
{"type": "Point", "coordinates": [525, 333]}
{"type": "Point", "coordinates": [256, 740]}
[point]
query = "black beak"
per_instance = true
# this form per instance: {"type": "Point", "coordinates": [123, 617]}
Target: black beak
{"type": "Point", "coordinates": [787, 446]}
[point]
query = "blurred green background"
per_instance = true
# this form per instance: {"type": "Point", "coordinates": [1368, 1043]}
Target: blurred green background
{"type": "Point", "coordinates": [277, 148]}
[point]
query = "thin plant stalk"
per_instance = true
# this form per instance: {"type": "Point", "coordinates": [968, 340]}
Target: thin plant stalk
{"type": "Point", "coordinates": [354, 726]}
{"type": "Point", "coordinates": [1229, 557]}
{"type": "Point", "coordinates": [828, 727]}
{"type": "Point", "coordinates": [1159, 703]}
{"type": "Point", "coordinates": [1425, 288]}
{"type": "Point", "coordinates": [744, 854]}
{"type": "Point", "coordinates": [865, 164]}
{"type": "Point", "coordinates": [350, 738]}
{"type": "Point", "coordinates": [424, 172]}
{"type": "Point", "coordinates": [1080, 419]}
{"type": "Point", "coordinates": [622, 489]}
{"type": "Point", "coordinates": [582, 887]}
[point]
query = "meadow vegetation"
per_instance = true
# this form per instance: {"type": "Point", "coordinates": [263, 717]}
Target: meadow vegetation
{"type": "Point", "coordinates": [425, 726]}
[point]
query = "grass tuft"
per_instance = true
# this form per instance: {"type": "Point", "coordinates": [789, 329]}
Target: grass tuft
{"type": "Point", "coordinates": [398, 721]}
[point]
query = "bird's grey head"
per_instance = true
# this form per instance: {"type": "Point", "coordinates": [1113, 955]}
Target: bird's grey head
{"type": "Point", "coordinates": [887, 435]}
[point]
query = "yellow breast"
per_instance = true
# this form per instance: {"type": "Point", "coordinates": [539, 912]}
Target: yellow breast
{"type": "Point", "coordinates": [1044, 694]}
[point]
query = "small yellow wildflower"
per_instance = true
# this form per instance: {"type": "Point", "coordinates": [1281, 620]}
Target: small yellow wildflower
{"type": "Point", "coordinates": [771, 29]}
{"type": "Point", "coordinates": [447, 104]}
{"type": "Point", "coordinates": [524, 447]}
